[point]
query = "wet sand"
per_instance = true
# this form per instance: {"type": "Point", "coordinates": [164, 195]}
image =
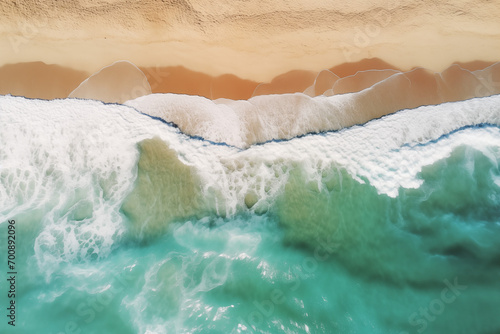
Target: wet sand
{"type": "Point", "coordinates": [39, 80]}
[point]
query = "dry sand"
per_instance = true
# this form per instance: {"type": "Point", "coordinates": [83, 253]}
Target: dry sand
{"type": "Point", "coordinates": [254, 40]}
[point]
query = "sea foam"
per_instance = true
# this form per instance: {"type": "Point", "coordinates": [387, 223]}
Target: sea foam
{"type": "Point", "coordinates": [95, 172]}
{"type": "Point", "coordinates": [269, 117]}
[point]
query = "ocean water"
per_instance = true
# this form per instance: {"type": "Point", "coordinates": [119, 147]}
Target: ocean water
{"type": "Point", "coordinates": [126, 225]}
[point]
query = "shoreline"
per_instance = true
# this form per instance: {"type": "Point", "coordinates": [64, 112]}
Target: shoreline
{"type": "Point", "coordinates": [40, 80]}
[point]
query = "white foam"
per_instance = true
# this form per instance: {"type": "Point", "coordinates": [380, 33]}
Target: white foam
{"type": "Point", "coordinates": [270, 117]}
{"type": "Point", "coordinates": [245, 122]}
{"type": "Point", "coordinates": [75, 161]}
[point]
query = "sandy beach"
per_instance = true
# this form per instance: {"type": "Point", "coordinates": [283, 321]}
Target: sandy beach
{"type": "Point", "coordinates": [254, 41]}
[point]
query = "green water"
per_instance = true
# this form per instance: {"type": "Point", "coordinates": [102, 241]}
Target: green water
{"type": "Point", "coordinates": [328, 257]}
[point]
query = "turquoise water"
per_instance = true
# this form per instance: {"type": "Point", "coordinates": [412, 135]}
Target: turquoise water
{"type": "Point", "coordinates": [124, 225]}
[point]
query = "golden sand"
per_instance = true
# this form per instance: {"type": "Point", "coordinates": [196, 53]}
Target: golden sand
{"type": "Point", "coordinates": [254, 40]}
